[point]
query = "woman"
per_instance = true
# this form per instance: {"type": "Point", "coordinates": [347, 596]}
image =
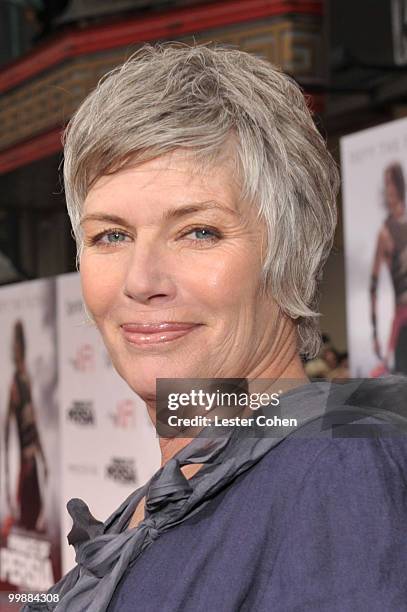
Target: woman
{"type": "Point", "coordinates": [391, 249]}
{"type": "Point", "coordinates": [202, 198]}
{"type": "Point", "coordinates": [20, 407]}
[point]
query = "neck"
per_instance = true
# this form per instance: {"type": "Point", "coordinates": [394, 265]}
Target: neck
{"type": "Point", "coordinates": [171, 446]}
{"type": "Point", "coordinates": [285, 362]}
{"type": "Point", "coordinates": [168, 446]}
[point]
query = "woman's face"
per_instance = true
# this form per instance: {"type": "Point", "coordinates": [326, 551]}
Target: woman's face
{"type": "Point", "coordinates": [166, 243]}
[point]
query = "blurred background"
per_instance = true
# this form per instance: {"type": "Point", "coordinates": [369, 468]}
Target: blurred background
{"type": "Point", "coordinates": [349, 57]}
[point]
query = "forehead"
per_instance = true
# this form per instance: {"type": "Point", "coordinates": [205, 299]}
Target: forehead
{"type": "Point", "coordinates": [172, 179]}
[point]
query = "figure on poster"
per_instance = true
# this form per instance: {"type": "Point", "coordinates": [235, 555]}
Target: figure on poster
{"type": "Point", "coordinates": [20, 407]}
{"type": "Point", "coordinates": [391, 249]}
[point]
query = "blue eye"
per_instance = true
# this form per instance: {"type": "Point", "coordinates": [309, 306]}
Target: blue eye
{"type": "Point", "coordinates": [109, 238]}
{"type": "Point", "coordinates": [203, 233]}
{"type": "Point", "coordinates": [114, 237]}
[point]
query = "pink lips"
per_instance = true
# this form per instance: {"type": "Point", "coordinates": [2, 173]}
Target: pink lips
{"type": "Point", "coordinates": [144, 334]}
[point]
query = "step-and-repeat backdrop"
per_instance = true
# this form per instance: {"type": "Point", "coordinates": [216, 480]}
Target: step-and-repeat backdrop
{"type": "Point", "coordinates": [69, 427]}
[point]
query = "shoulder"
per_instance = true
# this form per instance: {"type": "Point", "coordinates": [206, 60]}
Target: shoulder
{"type": "Point", "coordinates": [361, 472]}
{"type": "Point", "coordinates": [304, 463]}
{"type": "Point", "coordinates": [341, 542]}
{"type": "Point", "coordinates": [360, 434]}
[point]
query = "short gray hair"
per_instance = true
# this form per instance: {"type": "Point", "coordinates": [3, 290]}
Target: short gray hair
{"type": "Point", "coordinates": [170, 96]}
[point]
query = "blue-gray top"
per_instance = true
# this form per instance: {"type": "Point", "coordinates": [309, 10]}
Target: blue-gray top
{"type": "Point", "coordinates": [313, 520]}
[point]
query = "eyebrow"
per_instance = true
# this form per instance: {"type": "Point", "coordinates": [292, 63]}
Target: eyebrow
{"type": "Point", "coordinates": [168, 215]}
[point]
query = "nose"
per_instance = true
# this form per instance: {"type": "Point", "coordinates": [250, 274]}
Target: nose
{"type": "Point", "coordinates": [148, 276]}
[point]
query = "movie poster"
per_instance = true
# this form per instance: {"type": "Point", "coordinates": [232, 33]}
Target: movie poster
{"type": "Point", "coordinates": [109, 445]}
{"type": "Point", "coordinates": [30, 554]}
{"type": "Point", "coordinates": [374, 166]}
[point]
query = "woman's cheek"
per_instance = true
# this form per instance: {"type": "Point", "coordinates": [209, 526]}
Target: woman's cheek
{"type": "Point", "coordinates": [227, 278]}
{"type": "Point", "coordinates": [98, 285]}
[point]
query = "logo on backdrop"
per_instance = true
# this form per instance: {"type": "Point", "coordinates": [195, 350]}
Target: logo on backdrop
{"type": "Point", "coordinates": [124, 414]}
{"type": "Point", "coordinates": [84, 359]}
{"type": "Point", "coordinates": [81, 413]}
{"type": "Point", "coordinates": [121, 469]}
